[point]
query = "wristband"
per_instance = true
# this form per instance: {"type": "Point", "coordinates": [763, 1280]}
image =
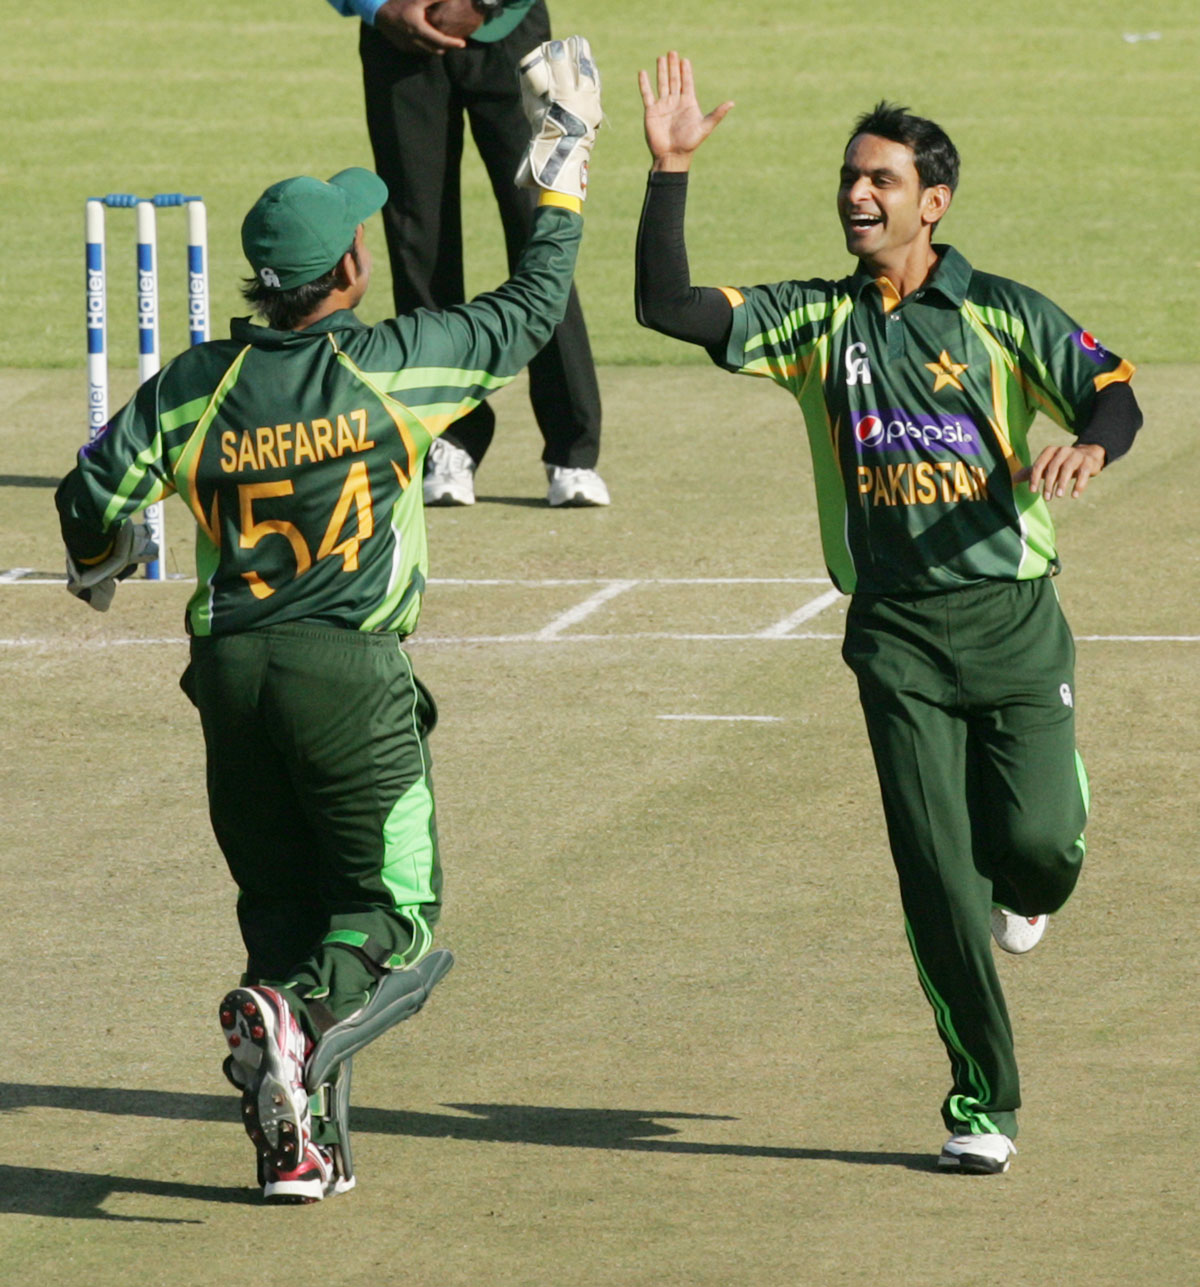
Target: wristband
{"type": "Point", "coordinates": [561, 199]}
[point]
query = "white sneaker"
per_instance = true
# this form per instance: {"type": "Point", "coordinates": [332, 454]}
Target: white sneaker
{"type": "Point", "coordinates": [575, 487]}
{"type": "Point", "coordinates": [976, 1154]}
{"type": "Point", "coordinates": [449, 475]}
{"type": "Point", "coordinates": [1015, 933]}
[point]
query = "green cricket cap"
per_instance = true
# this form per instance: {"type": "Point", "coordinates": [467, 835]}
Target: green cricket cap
{"type": "Point", "coordinates": [299, 228]}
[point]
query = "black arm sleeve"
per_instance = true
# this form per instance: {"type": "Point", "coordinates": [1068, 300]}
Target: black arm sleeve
{"type": "Point", "coordinates": [665, 299]}
{"type": "Point", "coordinates": [1116, 418]}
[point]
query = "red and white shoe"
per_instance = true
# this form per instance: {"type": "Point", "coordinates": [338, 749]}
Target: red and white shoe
{"type": "Point", "coordinates": [1016, 933]}
{"type": "Point", "coordinates": [266, 1048]}
{"type": "Point", "coordinates": [314, 1179]}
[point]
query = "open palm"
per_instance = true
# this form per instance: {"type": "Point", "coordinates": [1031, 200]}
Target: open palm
{"type": "Point", "coordinates": [675, 125]}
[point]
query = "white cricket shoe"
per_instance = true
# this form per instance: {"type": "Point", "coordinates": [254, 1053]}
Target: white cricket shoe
{"type": "Point", "coordinates": [1015, 933]}
{"type": "Point", "coordinates": [575, 487]}
{"type": "Point", "coordinates": [266, 1058]}
{"type": "Point", "coordinates": [976, 1154]}
{"type": "Point", "coordinates": [449, 475]}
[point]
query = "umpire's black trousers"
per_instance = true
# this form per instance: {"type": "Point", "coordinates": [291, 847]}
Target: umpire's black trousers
{"type": "Point", "coordinates": [415, 106]}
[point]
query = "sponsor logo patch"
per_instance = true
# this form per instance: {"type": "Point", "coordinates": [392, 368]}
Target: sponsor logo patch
{"type": "Point", "coordinates": [906, 431]}
{"type": "Point", "coordinates": [88, 447]}
{"type": "Point", "coordinates": [869, 431]}
{"type": "Point", "coordinates": [1089, 346]}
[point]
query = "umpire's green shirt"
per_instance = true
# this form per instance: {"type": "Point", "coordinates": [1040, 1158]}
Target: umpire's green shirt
{"type": "Point", "coordinates": [299, 453]}
{"type": "Point", "coordinates": [918, 412]}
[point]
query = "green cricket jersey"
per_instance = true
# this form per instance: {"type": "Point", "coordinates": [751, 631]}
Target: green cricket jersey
{"type": "Point", "coordinates": [299, 453]}
{"type": "Point", "coordinates": [918, 412]}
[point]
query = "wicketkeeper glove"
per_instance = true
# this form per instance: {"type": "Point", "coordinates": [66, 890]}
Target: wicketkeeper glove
{"type": "Point", "coordinates": [560, 92]}
{"type": "Point", "coordinates": [96, 585]}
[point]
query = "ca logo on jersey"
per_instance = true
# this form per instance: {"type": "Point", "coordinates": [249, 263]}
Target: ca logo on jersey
{"type": "Point", "coordinates": [858, 366]}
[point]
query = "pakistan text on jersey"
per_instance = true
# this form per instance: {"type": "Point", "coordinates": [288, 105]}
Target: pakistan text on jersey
{"type": "Point", "coordinates": [924, 483]}
{"type": "Point", "coordinates": [283, 446]}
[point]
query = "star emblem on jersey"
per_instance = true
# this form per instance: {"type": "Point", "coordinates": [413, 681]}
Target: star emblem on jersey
{"type": "Point", "coordinates": [946, 371]}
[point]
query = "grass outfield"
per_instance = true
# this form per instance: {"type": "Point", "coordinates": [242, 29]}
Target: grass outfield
{"type": "Point", "coordinates": [1072, 139]}
{"type": "Point", "coordinates": [683, 1043]}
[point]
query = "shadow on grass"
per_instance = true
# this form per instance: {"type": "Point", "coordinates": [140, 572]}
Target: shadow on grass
{"type": "Point", "coordinates": [39, 1191]}
{"type": "Point", "coordinates": [27, 480]}
{"type": "Point", "coordinates": [519, 502]}
{"type": "Point", "coordinates": [80, 1195]}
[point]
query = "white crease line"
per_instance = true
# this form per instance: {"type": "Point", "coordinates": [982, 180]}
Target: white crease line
{"type": "Point", "coordinates": [750, 719]}
{"type": "Point", "coordinates": [20, 576]}
{"type": "Point", "coordinates": [801, 615]}
{"type": "Point", "coordinates": [649, 580]}
{"type": "Point", "coordinates": [738, 580]}
{"type": "Point", "coordinates": [668, 636]}
{"type": "Point", "coordinates": [583, 610]}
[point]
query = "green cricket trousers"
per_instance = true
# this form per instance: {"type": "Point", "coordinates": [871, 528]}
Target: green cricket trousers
{"type": "Point", "coordinates": [321, 799]}
{"type": "Point", "coordinates": [969, 703]}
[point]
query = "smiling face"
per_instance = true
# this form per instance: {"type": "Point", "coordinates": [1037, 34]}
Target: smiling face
{"type": "Point", "coordinates": [887, 216]}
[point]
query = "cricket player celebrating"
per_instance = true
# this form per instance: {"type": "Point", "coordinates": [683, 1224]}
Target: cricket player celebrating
{"type": "Point", "coordinates": [918, 378]}
{"type": "Point", "coordinates": [298, 448]}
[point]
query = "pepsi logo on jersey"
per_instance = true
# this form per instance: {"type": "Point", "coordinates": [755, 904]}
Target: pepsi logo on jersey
{"type": "Point", "coordinates": [1089, 346]}
{"type": "Point", "coordinates": [897, 430]}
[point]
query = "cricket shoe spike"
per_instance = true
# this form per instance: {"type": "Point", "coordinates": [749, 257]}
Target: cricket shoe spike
{"type": "Point", "coordinates": [267, 1045]}
{"type": "Point", "coordinates": [976, 1154]}
{"type": "Point", "coordinates": [1015, 933]}
{"type": "Point", "coordinates": [397, 996]}
{"type": "Point", "coordinates": [312, 1180]}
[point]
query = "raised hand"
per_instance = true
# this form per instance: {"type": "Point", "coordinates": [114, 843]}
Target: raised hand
{"type": "Point", "coordinates": [675, 125]}
{"type": "Point", "coordinates": [560, 92]}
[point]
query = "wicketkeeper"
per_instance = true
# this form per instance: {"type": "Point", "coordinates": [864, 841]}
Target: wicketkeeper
{"type": "Point", "coordinates": [298, 448]}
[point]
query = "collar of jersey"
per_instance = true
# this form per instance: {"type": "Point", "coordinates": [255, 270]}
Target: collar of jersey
{"type": "Point", "coordinates": [248, 332]}
{"type": "Point", "coordinates": [950, 278]}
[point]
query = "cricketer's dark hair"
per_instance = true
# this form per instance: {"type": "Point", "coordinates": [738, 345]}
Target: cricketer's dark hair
{"type": "Point", "coordinates": [282, 309]}
{"type": "Point", "coordinates": [935, 157]}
